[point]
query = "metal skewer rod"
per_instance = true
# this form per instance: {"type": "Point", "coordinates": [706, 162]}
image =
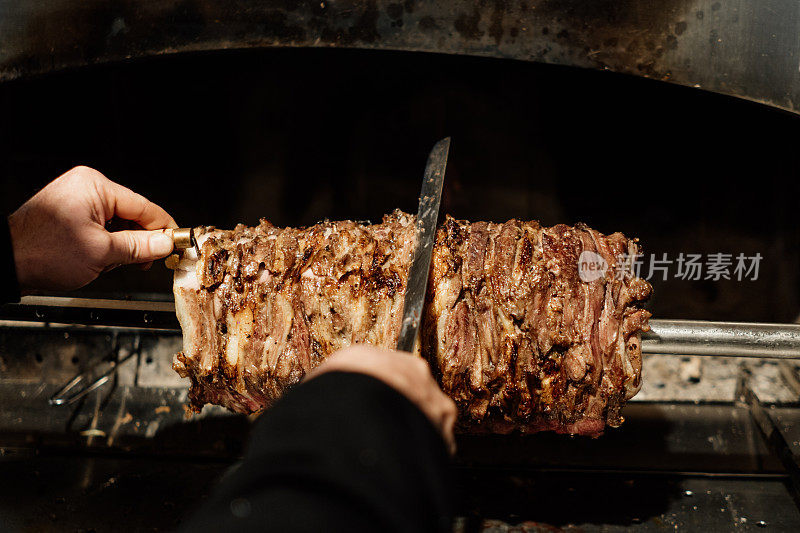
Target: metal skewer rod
{"type": "Point", "coordinates": [731, 339]}
{"type": "Point", "coordinates": [670, 337]}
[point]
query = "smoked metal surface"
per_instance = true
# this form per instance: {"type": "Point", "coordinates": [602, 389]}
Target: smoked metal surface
{"type": "Point", "coordinates": [692, 465]}
{"type": "Point", "coordinates": [772, 434]}
{"type": "Point", "coordinates": [695, 466]}
{"type": "Point", "coordinates": [94, 377]}
{"type": "Point", "coordinates": [743, 48]}
{"type": "Point", "coordinates": [427, 215]}
{"type": "Point", "coordinates": [733, 339]}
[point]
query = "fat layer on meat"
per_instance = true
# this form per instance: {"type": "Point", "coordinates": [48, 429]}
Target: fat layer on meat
{"type": "Point", "coordinates": [511, 331]}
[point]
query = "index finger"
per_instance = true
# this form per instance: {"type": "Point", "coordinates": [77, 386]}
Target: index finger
{"type": "Point", "coordinates": [128, 205]}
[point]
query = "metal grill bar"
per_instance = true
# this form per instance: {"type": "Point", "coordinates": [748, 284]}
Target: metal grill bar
{"type": "Point", "coordinates": [676, 337]}
{"type": "Point", "coordinates": [732, 339]}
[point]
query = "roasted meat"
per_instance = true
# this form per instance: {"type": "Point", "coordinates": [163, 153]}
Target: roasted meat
{"type": "Point", "coordinates": [263, 306]}
{"type": "Point", "coordinates": [520, 340]}
{"type": "Point", "coordinates": [512, 331]}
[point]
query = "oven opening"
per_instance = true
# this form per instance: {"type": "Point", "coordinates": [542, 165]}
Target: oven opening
{"type": "Point", "coordinates": [297, 136]}
{"type": "Point", "coordinates": [707, 183]}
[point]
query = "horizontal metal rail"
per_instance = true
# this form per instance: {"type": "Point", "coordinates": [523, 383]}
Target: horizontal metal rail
{"type": "Point", "coordinates": [730, 339]}
{"type": "Point", "coordinates": [93, 312]}
{"type": "Point", "coordinates": [677, 337]}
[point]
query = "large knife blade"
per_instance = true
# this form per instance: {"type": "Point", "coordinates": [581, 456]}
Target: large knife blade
{"type": "Point", "coordinates": [425, 232]}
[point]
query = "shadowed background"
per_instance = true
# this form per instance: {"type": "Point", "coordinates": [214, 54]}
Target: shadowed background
{"type": "Point", "coordinates": [296, 136]}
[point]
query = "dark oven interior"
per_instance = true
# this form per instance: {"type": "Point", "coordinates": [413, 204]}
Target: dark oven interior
{"type": "Point", "coordinates": [296, 136]}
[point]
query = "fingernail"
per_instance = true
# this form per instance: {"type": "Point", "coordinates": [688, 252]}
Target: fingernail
{"type": "Point", "coordinates": [160, 244]}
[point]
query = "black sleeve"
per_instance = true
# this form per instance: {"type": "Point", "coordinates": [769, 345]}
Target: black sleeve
{"type": "Point", "coordinates": [9, 288]}
{"type": "Point", "coordinates": [342, 452]}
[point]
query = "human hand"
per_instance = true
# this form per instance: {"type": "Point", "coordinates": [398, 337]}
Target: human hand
{"type": "Point", "coordinates": [406, 373]}
{"type": "Point", "coordinates": [60, 239]}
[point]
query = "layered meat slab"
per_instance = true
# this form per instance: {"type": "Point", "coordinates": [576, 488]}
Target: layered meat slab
{"type": "Point", "coordinates": [260, 307]}
{"type": "Point", "coordinates": [513, 332]}
{"type": "Point", "coordinates": [521, 339]}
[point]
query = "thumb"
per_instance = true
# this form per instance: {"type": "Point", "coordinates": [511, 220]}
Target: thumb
{"type": "Point", "coordinates": [137, 246]}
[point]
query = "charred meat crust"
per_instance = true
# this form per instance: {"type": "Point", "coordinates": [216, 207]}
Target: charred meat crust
{"type": "Point", "coordinates": [511, 332]}
{"type": "Point", "coordinates": [519, 341]}
{"type": "Point", "coordinates": [272, 303]}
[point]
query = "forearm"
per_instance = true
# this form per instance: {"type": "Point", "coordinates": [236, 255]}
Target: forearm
{"type": "Point", "coordinates": [9, 287]}
{"type": "Point", "coordinates": [343, 451]}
